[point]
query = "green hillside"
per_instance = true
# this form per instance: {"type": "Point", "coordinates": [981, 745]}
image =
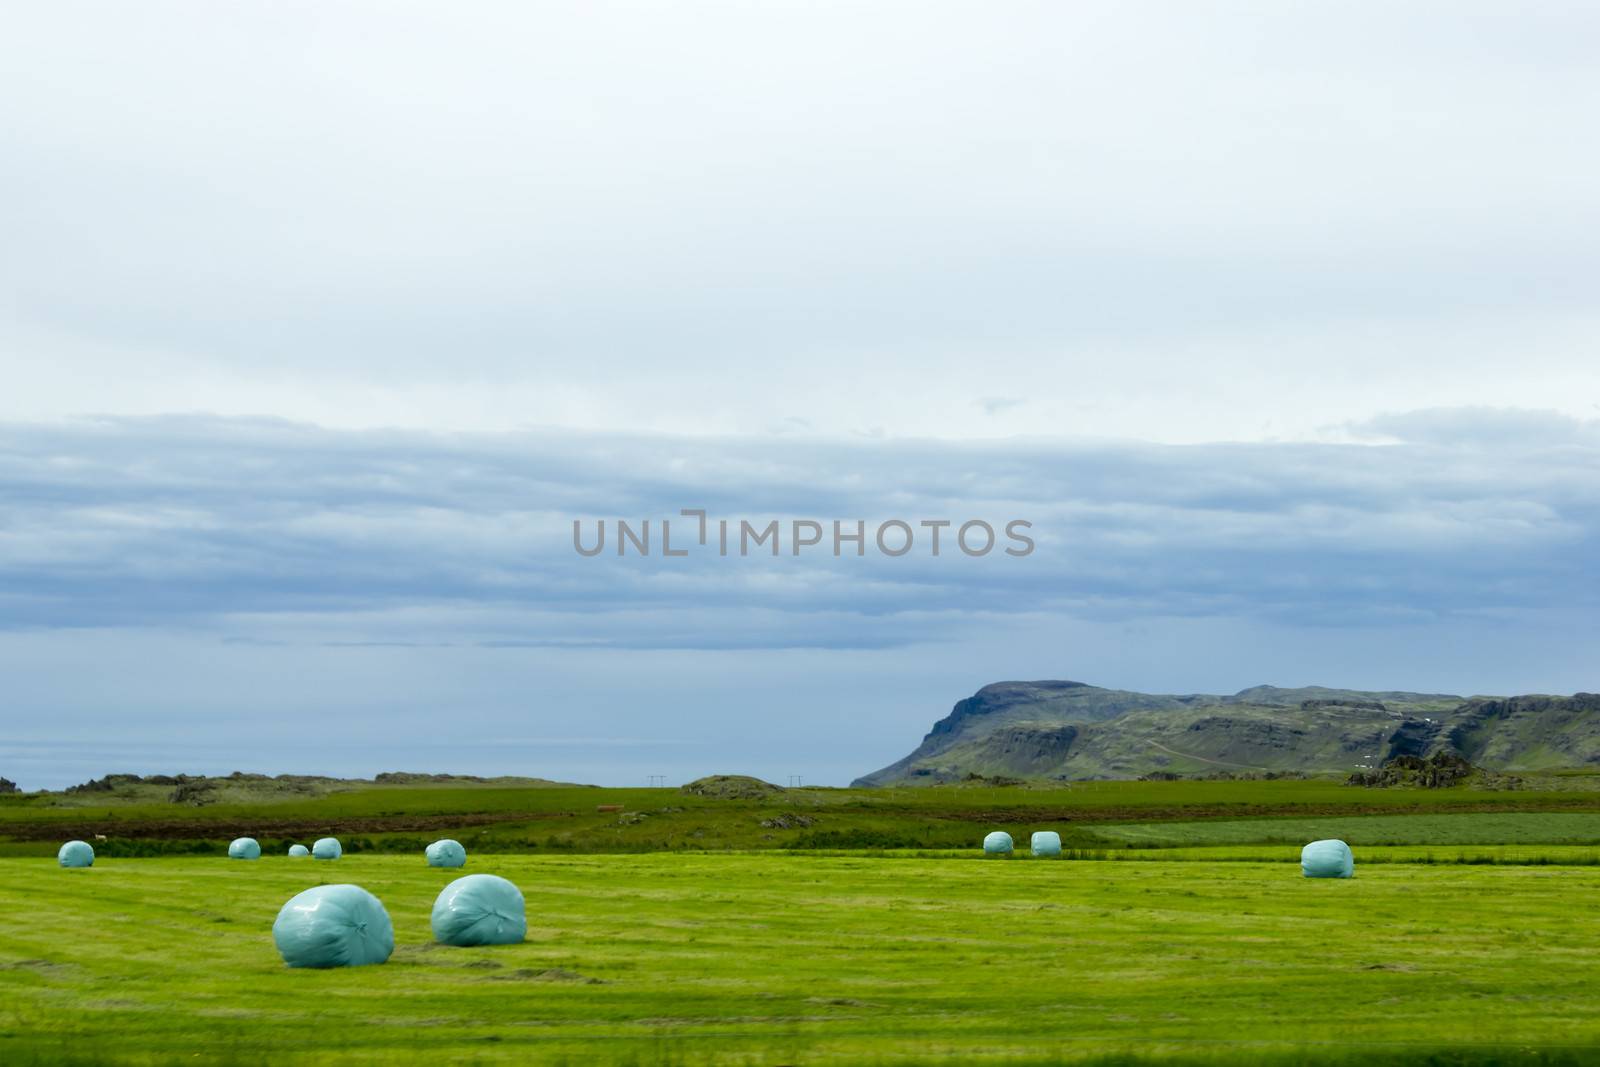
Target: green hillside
{"type": "Point", "coordinates": [1069, 730]}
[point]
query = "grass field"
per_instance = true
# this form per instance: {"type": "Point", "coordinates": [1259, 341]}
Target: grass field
{"type": "Point", "coordinates": [774, 958]}
{"type": "Point", "coordinates": [402, 819]}
{"type": "Point", "coordinates": [688, 929]}
{"type": "Point", "coordinates": [1479, 828]}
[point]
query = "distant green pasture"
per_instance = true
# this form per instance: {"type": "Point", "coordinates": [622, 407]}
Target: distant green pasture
{"type": "Point", "coordinates": [1478, 828]}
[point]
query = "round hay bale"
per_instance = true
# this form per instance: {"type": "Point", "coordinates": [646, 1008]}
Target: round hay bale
{"type": "Point", "coordinates": [333, 926]}
{"type": "Point", "coordinates": [446, 853]}
{"type": "Point", "coordinates": [1046, 843]}
{"type": "Point", "coordinates": [998, 843]}
{"type": "Point", "coordinates": [1327, 859]}
{"type": "Point", "coordinates": [299, 850]}
{"type": "Point", "coordinates": [76, 854]}
{"type": "Point", "coordinates": [327, 848]}
{"type": "Point", "coordinates": [244, 848]}
{"type": "Point", "coordinates": [480, 909]}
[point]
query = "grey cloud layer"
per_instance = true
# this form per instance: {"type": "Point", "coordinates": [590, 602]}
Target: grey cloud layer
{"type": "Point", "coordinates": [268, 531]}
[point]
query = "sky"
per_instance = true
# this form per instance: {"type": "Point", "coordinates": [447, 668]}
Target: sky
{"type": "Point", "coordinates": [320, 324]}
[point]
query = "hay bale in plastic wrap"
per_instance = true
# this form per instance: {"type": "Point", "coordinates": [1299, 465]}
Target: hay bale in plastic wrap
{"type": "Point", "coordinates": [76, 854]}
{"type": "Point", "coordinates": [1327, 859]}
{"type": "Point", "coordinates": [480, 909]}
{"type": "Point", "coordinates": [998, 843]}
{"type": "Point", "coordinates": [446, 853]}
{"type": "Point", "coordinates": [327, 848]}
{"type": "Point", "coordinates": [244, 848]}
{"type": "Point", "coordinates": [333, 926]}
{"type": "Point", "coordinates": [299, 850]}
{"type": "Point", "coordinates": [1046, 843]}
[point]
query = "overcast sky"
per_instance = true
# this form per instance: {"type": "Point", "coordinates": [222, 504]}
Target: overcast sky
{"type": "Point", "coordinates": [319, 323]}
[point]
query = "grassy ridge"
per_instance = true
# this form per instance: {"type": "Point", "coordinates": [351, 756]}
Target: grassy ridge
{"type": "Point", "coordinates": [772, 958]}
{"type": "Point", "coordinates": [567, 819]}
{"type": "Point", "coordinates": [1482, 828]}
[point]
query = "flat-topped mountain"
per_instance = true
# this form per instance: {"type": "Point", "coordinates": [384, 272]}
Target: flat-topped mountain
{"type": "Point", "coordinates": [1061, 729]}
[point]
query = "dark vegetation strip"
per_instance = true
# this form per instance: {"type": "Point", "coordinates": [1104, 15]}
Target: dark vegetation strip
{"type": "Point", "coordinates": [233, 826]}
{"type": "Point", "coordinates": [1245, 810]}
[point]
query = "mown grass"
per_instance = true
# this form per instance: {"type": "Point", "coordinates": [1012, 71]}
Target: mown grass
{"type": "Point", "coordinates": [1473, 855]}
{"type": "Point", "coordinates": [774, 958]}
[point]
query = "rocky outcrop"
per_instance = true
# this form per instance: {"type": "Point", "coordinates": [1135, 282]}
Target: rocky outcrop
{"type": "Point", "coordinates": [1440, 771]}
{"type": "Point", "coordinates": [1414, 737]}
{"type": "Point", "coordinates": [1070, 730]}
{"type": "Point", "coordinates": [996, 699]}
{"type": "Point", "coordinates": [1364, 705]}
{"type": "Point", "coordinates": [732, 787]}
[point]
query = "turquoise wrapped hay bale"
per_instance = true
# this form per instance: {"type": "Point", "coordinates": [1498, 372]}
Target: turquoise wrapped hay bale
{"type": "Point", "coordinates": [76, 854]}
{"type": "Point", "coordinates": [244, 848]}
{"type": "Point", "coordinates": [1327, 859]}
{"type": "Point", "coordinates": [1046, 843]}
{"type": "Point", "coordinates": [997, 843]}
{"type": "Point", "coordinates": [333, 926]}
{"type": "Point", "coordinates": [327, 848]}
{"type": "Point", "coordinates": [480, 909]}
{"type": "Point", "coordinates": [446, 853]}
{"type": "Point", "coordinates": [299, 850]}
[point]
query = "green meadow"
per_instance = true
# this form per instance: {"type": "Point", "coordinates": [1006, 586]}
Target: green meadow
{"type": "Point", "coordinates": [1479, 828]}
{"type": "Point", "coordinates": [826, 926]}
{"type": "Point", "coordinates": [771, 958]}
{"type": "Point", "coordinates": [141, 820]}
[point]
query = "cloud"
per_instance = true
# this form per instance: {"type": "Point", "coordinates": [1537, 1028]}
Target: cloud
{"type": "Point", "coordinates": [263, 530]}
{"type": "Point", "coordinates": [278, 596]}
{"type": "Point", "coordinates": [1164, 222]}
{"type": "Point", "coordinates": [605, 261]}
{"type": "Point", "coordinates": [996, 405]}
{"type": "Point", "coordinates": [1482, 427]}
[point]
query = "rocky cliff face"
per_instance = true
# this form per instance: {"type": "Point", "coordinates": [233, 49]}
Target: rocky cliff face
{"type": "Point", "coordinates": [1026, 704]}
{"type": "Point", "coordinates": [1062, 729]}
